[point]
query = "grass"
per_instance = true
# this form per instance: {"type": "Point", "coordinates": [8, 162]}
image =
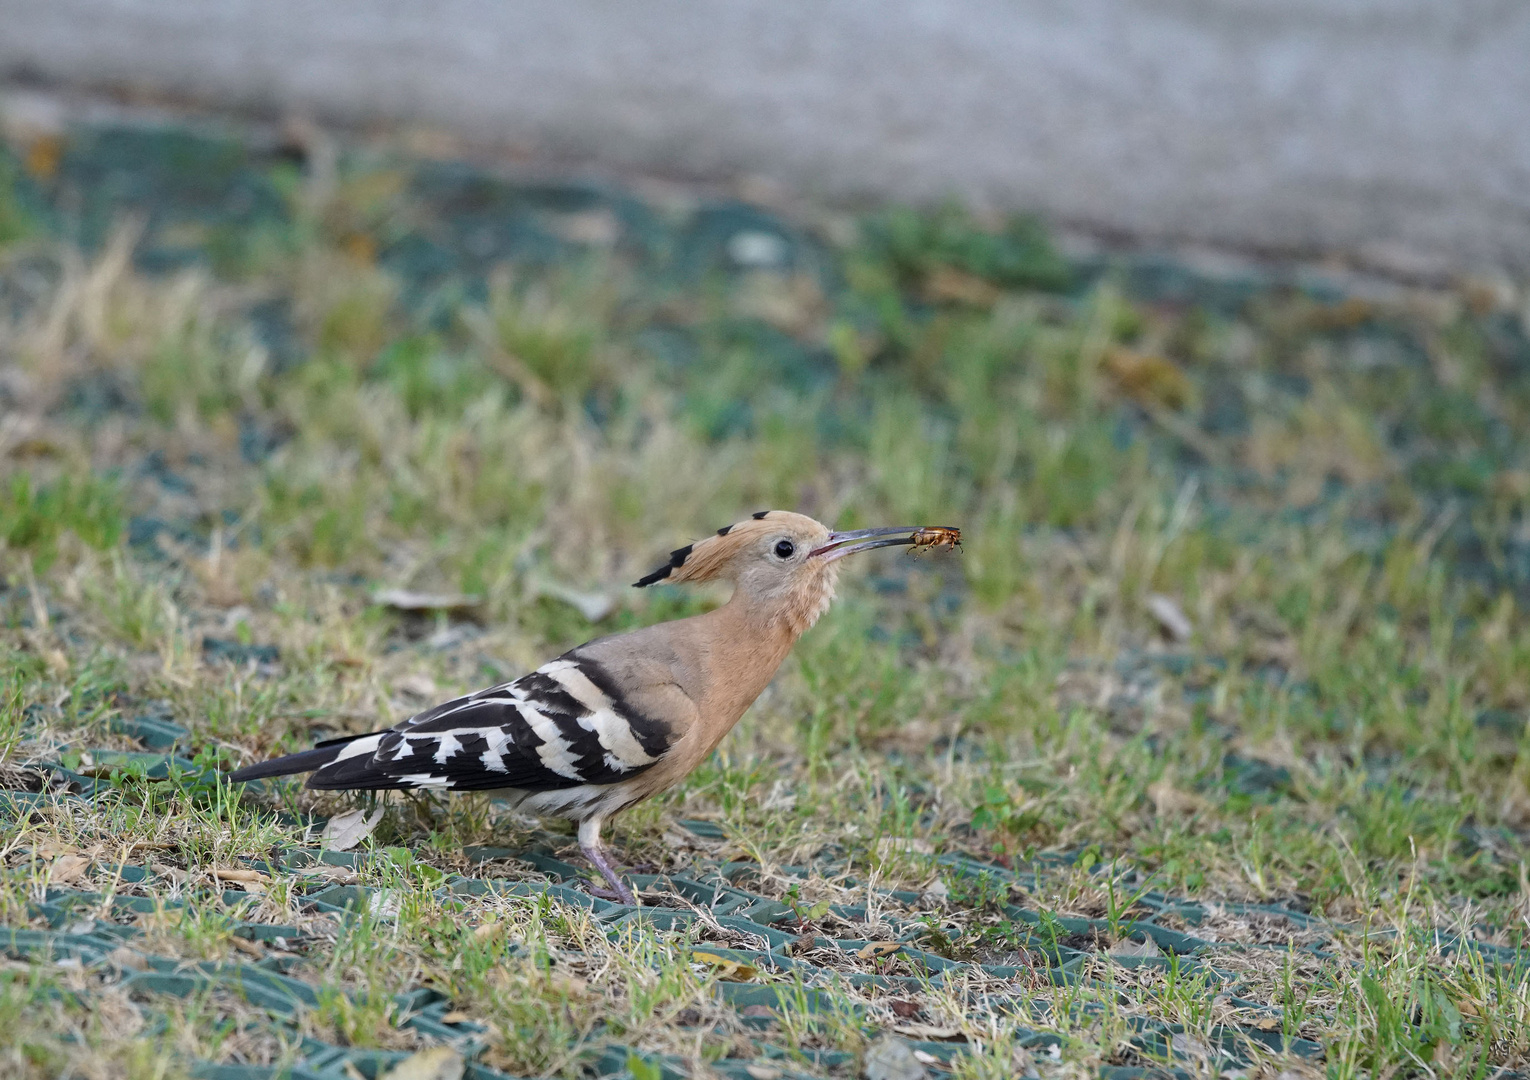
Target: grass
{"type": "Point", "coordinates": [223, 434]}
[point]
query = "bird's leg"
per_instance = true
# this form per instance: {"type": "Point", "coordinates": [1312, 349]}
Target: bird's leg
{"type": "Point", "coordinates": [589, 843]}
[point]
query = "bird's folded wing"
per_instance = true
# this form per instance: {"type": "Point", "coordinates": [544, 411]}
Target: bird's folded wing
{"type": "Point", "coordinates": [566, 724]}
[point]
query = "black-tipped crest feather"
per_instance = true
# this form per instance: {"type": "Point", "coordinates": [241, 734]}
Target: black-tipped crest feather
{"type": "Point", "coordinates": [676, 560]}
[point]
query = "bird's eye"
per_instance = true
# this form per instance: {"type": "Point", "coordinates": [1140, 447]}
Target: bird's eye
{"type": "Point", "coordinates": [785, 549]}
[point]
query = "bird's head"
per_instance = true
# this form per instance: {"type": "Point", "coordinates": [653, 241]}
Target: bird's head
{"type": "Point", "coordinates": [783, 566]}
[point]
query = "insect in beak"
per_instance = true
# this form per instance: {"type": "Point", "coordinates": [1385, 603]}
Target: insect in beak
{"type": "Point", "coordinates": [841, 544]}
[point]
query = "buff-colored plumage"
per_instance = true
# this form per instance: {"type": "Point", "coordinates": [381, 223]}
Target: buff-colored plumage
{"type": "Point", "coordinates": [621, 718]}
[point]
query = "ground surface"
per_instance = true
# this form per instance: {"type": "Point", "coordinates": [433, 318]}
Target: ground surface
{"type": "Point", "coordinates": [1208, 754]}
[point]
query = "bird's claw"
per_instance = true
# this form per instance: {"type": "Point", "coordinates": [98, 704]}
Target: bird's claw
{"type": "Point", "coordinates": [611, 894]}
{"type": "Point", "coordinates": [618, 886]}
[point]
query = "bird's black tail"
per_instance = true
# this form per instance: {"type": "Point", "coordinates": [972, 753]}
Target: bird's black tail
{"type": "Point", "coordinates": [302, 762]}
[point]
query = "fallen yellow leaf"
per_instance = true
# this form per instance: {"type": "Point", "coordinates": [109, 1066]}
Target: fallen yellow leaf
{"type": "Point", "coordinates": [360, 247]}
{"type": "Point", "coordinates": [948, 285]}
{"type": "Point", "coordinates": [1148, 377]}
{"type": "Point", "coordinates": [874, 949]}
{"type": "Point", "coordinates": [732, 970]}
{"type": "Point", "coordinates": [249, 948]}
{"type": "Point", "coordinates": [437, 1063]}
{"type": "Point", "coordinates": [44, 155]}
{"type": "Point", "coordinates": [240, 875]}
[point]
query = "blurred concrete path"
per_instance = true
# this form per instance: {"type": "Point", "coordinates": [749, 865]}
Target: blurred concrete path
{"type": "Point", "coordinates": [1396, 129]}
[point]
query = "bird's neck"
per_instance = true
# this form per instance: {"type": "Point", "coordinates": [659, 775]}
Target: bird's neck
{"type": "Point", "coordinates": [786, 612]}
{"type": "Point", "coordinates": [746, 647]}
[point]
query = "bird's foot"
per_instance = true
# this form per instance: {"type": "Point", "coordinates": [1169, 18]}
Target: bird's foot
{"type": "Point", "coordinates": [618, 886]}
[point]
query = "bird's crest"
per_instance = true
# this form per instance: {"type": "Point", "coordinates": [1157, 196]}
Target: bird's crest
{"type": "Point", "coordinates": [706, 559]}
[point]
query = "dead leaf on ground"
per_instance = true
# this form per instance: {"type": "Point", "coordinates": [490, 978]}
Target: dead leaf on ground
{"type": "Point", "coordinates": [891, 1058]}
{"type": "Point", "coordinates": [241, 875]}
{"type": "Point", "coordinates": [437, 1063]}
{"type": "Point", "coordinates": [874, 949]}
{"type": "Point", "coordinates": [948, 285]}
{"type": "Point", "coordinates": [345, 831]}
{"type": "Point", "coordinates": [591, 228]}
{"type": "Point", "coordinates": [1169, 800]}
{"type": "Point", "coordinates": [127, 959]}
{"type": "Point", "coordinates": [1148, 377]}
{"type": "Point", "coordinates": [1147, 947]}
{"type": "Point", "coordinates": [67, 869]}
{"type": "Point", "coordinates": [339, 875]}
{"type": "Point", "coordinates": [594, 606]}
{"type": "Point", "coordinates": [1189, 1046]}
{"type": "Point", "coordinates": [43, 156]}
{"type": "Point", "coordinates": [930, 1032]}
{"type": "Point", "coordinates": [407, 600]}
{"type": "Point", "coordinates": [792, 303]}
{"type": "Point", "coordinates": [1170, 617]}
{"type": "Point", "coordinates": [420, 686]}
{"type": "Point", "coordinates": [731, 970]}
{"type": "Point", "coordinates": [249, 948]}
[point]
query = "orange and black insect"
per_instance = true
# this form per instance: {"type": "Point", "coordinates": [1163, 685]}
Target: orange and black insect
{"type": "Point", "coordinates": [938, 538]}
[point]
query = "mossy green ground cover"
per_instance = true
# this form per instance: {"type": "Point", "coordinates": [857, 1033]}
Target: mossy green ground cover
{"type": "Point", "coordinates": [1208, 754]}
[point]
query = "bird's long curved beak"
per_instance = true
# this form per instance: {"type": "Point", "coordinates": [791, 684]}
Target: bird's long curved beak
{"type": "Point", "coordinates": [841, 544]}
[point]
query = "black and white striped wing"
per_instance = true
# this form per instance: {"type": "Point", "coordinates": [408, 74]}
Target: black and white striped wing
{"type": "Point", "coordinates": [560, 726]}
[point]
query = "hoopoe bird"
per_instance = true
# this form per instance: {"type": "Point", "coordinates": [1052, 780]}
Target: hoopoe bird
{"type": "Point", "coordinates": [621, 718]}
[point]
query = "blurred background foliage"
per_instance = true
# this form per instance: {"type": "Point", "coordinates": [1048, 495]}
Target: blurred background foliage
{"type": "Point", "coordinates": [1241, 602]}
{"type": "Point", "coordinates": [1276, 512]}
